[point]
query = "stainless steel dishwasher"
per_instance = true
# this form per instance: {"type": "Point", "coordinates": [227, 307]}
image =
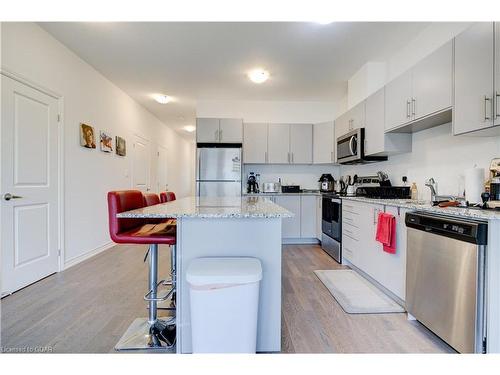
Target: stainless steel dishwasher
{"type": "Point", "coordinates": [445, 278]}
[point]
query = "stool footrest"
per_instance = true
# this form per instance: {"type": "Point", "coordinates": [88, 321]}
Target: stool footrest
{"type": "Point", "coordinates": [162, 298]}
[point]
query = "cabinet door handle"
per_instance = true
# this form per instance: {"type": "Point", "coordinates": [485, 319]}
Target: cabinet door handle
{"type": "Point", "coordinates": [497, 95]}
{"type": "Point", "coordinates": [265, 156]}
{"type": "Point", "coordinates": [331, 156]}
{"type": "Point", "coordinates": [407, 109]}
{"type": "Point", "coordinates": [292, 157]}
{"type": "Point", "coordinates": [220, 135]}
{"type": "Point", "coordinates": [486, 100]}
{"type": "Point", "coordinates": [217, 135]}
{"type": "Point", "coordinates": [413, 107]}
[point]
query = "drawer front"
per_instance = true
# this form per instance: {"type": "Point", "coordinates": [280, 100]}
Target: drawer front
{"type": "Point", "coordinates": [349, 249]}
{"type": "Point", "coordinates": [351, 231]}
{"type": "Point", "coordinates": [350, 220]}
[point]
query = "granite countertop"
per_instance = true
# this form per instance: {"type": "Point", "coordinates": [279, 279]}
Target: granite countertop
{"type": "Point", "coordinates": [204, 207]}
{"type": "Point", "coordinates": [427, 206]}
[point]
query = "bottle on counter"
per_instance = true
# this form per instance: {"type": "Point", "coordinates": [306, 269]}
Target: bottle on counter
{"type": "Point", "coordinates": [414, 191]}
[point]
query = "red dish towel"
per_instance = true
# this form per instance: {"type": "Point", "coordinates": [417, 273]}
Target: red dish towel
{"type": "Point", "coordinates": [386, 232]}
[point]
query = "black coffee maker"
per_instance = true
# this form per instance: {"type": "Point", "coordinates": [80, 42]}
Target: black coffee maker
{"type": "Point", "coordinates": [252, 184]}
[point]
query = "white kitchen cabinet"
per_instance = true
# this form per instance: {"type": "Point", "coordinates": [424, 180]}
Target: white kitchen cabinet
{"type": "Point", "coordinates": [357, 114]}
{"type": "Point", "coordinates": [308, 216]}
{"type": "Point", "coordinates": [376, 141]}
{"type": "Point", "coordinates": [374, 128]}
{"type": "Point", "coordinates": [342, 125]}
{"type": "Point", "coordinates": [231, 130]}
{"type": "Point", "coordinates": [319, 216]}
{"type": "Point", "coordinates": [278, 144]}
{"type": "Point", "coordinates": [360, 248]}
{"type": "Point", "coordinates": [323, 143]}
{"type": "Point", "coordinates": [207, 130]}
{"type": "Point", "coordinates": [496, 116]}
{"type": "Point", "coordinates": [214, 130]}
{"type": "Point", "coordinates": [474, 54]}
{"type": "Point", "coordinates": [398, 101]}
{"type": "Point", "coordinates": [255, 143]}
{"type": "Point", "coordinates": [290, 227]}
{"type": "Point", "coordinates": [301, 144]}
{"type": "Point", "coordinates": [432, 82]}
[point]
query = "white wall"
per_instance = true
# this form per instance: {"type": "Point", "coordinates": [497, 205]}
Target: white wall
{"type": "Point", "coordinates": [89, 97]}
{"type": "Point", "coordinates": [268, 111]}
{"type": "Point", "coordinates": [306, 176]}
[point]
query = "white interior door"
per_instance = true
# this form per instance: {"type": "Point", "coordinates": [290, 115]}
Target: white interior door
{"type": "Point", "coordinates": [141, 164]}
{"type": "Point", "coordinates": [162, 173]}
{"type": "Point", "coordinates": [29, 186]}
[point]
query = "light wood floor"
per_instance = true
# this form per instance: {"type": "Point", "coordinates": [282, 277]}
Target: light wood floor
{"type": "Point", "coordinates": [88, 307]}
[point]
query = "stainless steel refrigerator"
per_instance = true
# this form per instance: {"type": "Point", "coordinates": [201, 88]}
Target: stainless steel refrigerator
{"type": "Point", "coordinates": [218, 171]}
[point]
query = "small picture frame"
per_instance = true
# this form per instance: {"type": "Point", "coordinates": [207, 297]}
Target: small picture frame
{"type": "Point", "coordinates": [106, 141]}
{"type": "Point", "coordinates": [121, 146]}
{"type": "Point", "coordinates": [87, 136]}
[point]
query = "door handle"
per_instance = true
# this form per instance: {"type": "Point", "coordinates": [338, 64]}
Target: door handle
{"type": "Point", "coordinates": [9, 196]}
{"type": "Point", "coordinates": [217, 135]}
{"type": "Point", "coordinates": [413, 106]}
{"type": "Point", "coordinates": [486, 100]}
{"type": "Point", "coordinates": [220, 135]}
{"type": "Point", "coordinates": [407, 109]}
{"type": "Point", "coordinates": [497, 95]}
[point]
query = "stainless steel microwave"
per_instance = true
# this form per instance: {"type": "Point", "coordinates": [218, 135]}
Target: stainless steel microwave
{"type": "Point", "coordinates": [351, 149]}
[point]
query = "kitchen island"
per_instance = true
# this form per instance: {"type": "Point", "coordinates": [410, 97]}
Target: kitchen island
{"type": "Point", "coordinates": [222, 227]}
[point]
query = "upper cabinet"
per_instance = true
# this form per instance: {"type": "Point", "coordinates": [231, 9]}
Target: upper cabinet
{"type": "Point", "coordinates": [323, 143]}
{"type": "Point", "coordinates": [301, 144]}
{"type": "Point", "coordinates": [497, 75]}
{"type": "Point", "coordinates": [421, 92]}
{"type": "Point", "coordinates": [214, 130]}
{"type": "Point", "coordinates": [255, 143]}
{"type": "Point", "coordinates": [432, 82]}
{"type": "Point", "coordinates": [377, 142]}
{"type": "Point", "coordinates": [398, 101]}
{"type": "Point", "coordinates": [352, 119]}
{"type": "Point", "coordinates": [474, 81]}
{"type": "Point", "coordinates": [231, 130]}
{"type": "Point", "coordinates": [278, 143]}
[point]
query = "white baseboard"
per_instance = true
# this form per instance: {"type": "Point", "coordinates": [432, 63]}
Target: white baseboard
{"type": "Point", "coordinates": [299, 241]}
{"type": "Point", "coordinates": [74, 261]}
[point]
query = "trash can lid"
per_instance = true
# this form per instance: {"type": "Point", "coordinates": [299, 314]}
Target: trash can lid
{"type": "Point", "coordinates": [208, 271]}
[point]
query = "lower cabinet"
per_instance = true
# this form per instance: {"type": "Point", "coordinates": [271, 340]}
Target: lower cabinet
{"type": "Point", "coordinates": [359, 247]}
{"type": "Point", "coordinates": [307, 211]}
{"type": "Point", "coordinates": [290, 227]}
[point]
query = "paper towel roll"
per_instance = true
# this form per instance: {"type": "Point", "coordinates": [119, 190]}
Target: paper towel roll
{"type": "Point", "coordinates": [474, 184]}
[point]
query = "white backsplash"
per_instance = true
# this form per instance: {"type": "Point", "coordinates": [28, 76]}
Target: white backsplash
{"type": "Point", "coordinates": [304, 175]}
{"type": "Point", "coordinates": [435, 153]}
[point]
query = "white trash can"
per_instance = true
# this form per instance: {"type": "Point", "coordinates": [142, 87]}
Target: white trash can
{"type": "Point", "coordinates": [224, 298]}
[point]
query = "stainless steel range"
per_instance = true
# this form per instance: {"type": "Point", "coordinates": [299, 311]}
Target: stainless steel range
{"type": "Point", "coordinates": [331, 238]}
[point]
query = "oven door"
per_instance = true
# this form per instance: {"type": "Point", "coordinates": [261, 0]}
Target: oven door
{"type": "Point", "coordinates": [331, 217]}
{"type": "Point", "coordinates": [349, 147]}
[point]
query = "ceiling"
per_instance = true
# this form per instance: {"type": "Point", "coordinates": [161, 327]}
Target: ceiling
{"type": "Point", "coordinates": [193, 61]}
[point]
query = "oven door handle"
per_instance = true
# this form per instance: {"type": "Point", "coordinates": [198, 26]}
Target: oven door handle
{"type": "Point", "coordinates": [351, 145]}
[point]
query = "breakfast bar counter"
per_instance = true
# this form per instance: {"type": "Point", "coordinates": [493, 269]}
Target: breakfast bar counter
{"type": "Point", "coordinates": [227, 227]}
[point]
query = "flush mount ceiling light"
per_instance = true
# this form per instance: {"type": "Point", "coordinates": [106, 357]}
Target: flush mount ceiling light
{"type": "Point", "coordinates": [189, 128]}
{"type": "Point", "coordinates": [162, 99]}
{"type": "Point", "coordinates": [258, 75]}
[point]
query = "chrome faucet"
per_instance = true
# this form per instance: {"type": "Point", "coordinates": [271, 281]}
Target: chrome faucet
{"type": "Point", "coordinates": [431, 184]}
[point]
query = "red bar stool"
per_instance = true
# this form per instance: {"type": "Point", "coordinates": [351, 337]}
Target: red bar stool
{"type": "Point", "coordinates": [151, 332]}
{"type": "Point", "coordinates": [150, 199]}
{"type": "Point", "coordinates": [167, 196]}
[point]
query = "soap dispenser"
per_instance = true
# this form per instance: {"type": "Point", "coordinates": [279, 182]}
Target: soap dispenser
{"type": "Point", "coordinates": [414, 191]}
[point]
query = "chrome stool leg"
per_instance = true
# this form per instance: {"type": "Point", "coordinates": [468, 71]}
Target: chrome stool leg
{"type": "Point", "coordinates": [151, 333]}
{"type": "Point", "coordinates": [173, 279]}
